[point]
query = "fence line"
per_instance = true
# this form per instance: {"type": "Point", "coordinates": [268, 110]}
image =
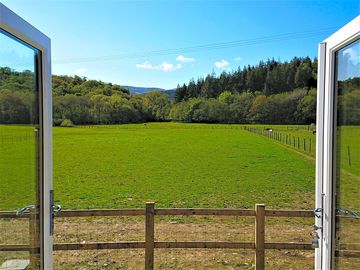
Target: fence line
{"type": "Point", "coordinates": [295, 141]}
{"type": "Point", "coordinates": [259, 245]}
{"type": "Point", "coordinates": [14, 138]}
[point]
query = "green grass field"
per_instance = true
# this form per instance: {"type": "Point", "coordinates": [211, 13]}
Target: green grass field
{"type": "Point", "coordinates": [17, 166]}
{"type": "Point", "coordinates": [173, 164]}
{"type": "Point", "coordinates": [177, 165]}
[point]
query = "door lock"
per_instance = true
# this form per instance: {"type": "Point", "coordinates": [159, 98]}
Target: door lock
{"type": "Point", "coordinates": [318, 212]}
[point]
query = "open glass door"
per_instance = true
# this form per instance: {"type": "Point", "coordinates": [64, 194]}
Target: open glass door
{"type": "Point", "coordinates": [25, 145]}
{"type": "Point", "coordinates": [338, 152]}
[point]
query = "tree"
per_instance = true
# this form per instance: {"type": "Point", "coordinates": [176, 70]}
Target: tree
{"type": "Point", "coordinates": [256, 113]}
{"type": "Point", "coordinates": [226, 97]}
{"type": "Point", "coordinates": [240, 107]}
{"type": "Point", "coordinates": [306, 109]}
{"type": "Point", "coordinates": [303, 75]}
{"type": "Point", "coordinates": [157, 105]}
{"type": "Point", "coordinates": [349, 106]}
{"type": "Point", "coordinates": [13, 108]}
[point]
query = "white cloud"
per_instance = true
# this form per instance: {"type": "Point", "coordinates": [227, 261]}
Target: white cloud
{"type": "Point", "coordinates": [237, 59]}
{"type": "Point", "coordinates": [221, 64]}
{"type": "Point", "coordinates": [353, 55]}
{"type": "Point", "coordinates": [167, 67]}
{"type": "Point", "coordinates": [145, 65]}
{"type": "Point", "coordinates": [183, 59]}
{"type": "Point", "coordinates": [80, 71]}
{"type": "Point", "coordinates": [164, 66]}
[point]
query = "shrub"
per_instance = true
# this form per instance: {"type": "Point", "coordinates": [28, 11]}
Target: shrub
{"type": "Point", "coordinates": [67, 123]}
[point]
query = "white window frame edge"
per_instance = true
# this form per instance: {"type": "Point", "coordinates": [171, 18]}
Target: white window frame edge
{"type": "Point", "coordinates": [15, 25]}
{"type": "Point", "coordinates": [319, 148]}
{"type": "Point", "coordinates": [325, 158]}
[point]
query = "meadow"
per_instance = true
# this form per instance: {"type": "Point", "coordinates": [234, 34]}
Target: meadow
{"type": "Point", "coordinates": [177, 165]}
{"type": "Point", "coordinates": [173, 164]}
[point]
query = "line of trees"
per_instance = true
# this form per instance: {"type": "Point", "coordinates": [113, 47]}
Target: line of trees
{"type": "Point", "coordinates": [270, 77]}
{"type": "Point", "coordinates": [271, 92]}
{"type": "Point", "coordinates": [294, 107]}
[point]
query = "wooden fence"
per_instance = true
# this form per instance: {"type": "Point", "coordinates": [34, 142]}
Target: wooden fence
{"type": "Point", "coordinates": [259, 246]}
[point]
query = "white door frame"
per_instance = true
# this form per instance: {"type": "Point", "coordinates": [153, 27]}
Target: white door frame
{"type": "Point", "coordinates": [326, 125]}
{"type": "Point", "coordinates": [22, 30]}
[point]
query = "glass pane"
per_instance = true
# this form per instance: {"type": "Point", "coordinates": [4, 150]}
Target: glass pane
{"type": "Point", "coordinates": [19, 154]}
{"type": "Point", "coordinates": [348, 158]}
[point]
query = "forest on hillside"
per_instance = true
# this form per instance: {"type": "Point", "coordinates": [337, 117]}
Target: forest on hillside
{"type": "Point", "coordinates": [271, 92]}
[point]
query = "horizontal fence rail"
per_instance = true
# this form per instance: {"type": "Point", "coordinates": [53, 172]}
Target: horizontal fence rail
{"type": "Point", "coordinates": [259, 245]}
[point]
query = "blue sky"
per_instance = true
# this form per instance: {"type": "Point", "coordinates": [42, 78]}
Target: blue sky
{"type": "Point", "coordinates": [163, 43]}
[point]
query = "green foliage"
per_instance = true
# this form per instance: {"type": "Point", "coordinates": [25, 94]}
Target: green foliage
{"type": "Point", "coordinates": [267, 93]}
{"type": "Point", "coordinates": [64, 85]}
{"type": "Point", "coordinates": [239, 109]}
{"type": "Point", "coordinates": [282, 108]}
{"type": "Point", "coordinates": [157, 105]}
{"type": "Point", "coordinates": [200, 110]}
{"type": "Point", "coordinates": [15, 107]}
{"type": "Point", "coordinates": [270, 77]}
{"type": "Point", "coordinates": [306, 110]}
{"type": "Point", "coordinates": [67, 123]}
{"type": "Point", "coordinates": [293, 107]}
{"type": "Point", "coordinates": [256, 113]}
{"type": "Point", "coordinates": [226, 97]}
{"type": "Point", "coordinates": [349, 105]}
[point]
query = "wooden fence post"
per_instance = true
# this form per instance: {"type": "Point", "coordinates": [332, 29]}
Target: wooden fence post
{"type": "Point", "coordinates": [34, 255]}
{"type": "Point", "coordinates": [149, 236]}
{"type": "Point", "coordinates": [260, 237]}
{"type": "Point", "coordinates": [298, 141]}
{"type": "Point", "coordinates": [304, 144]}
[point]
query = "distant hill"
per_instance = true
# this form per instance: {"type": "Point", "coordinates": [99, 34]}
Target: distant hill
{"type": "Point", "coordinates": [170, 93]}
{"type": "Point", "coordinates": [143, 90]}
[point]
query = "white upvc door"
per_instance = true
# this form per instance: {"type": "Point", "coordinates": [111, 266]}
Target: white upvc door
{"type": "Point", "coordinates": [26, 149]}
{"type": "Point", "coordinates": [338, 150]}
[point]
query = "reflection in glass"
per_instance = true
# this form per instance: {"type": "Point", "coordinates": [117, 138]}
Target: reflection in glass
{"type": "Point", "coordinates": [19, 166]}
{"type": "Point", "coordinates": [347, 228]}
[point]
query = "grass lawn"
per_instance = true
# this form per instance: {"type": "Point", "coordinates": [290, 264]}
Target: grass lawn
{"type": "Point", "coordinates": [173, 164]}
{"type": "Point", "coordinates": [177, 165]}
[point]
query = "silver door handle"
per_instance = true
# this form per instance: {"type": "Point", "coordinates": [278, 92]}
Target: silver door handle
{"type": "Point", "coordinates": [56, 209]}
{"type": "Point", "coordinates": [25, 210]}
{"type": "Point", "coordinates": [318, 212]}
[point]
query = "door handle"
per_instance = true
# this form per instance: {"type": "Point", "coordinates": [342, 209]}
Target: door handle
{"type": "Point", "coordinates": [25, 210]}
{"type": "Point", "coordinates": [318, 212]}
{"type": "Point", "coordinates": [56, 209]}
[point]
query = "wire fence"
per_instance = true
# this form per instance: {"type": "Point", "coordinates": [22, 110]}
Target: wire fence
{"type": "Point", "coordinates": [305, 144]}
